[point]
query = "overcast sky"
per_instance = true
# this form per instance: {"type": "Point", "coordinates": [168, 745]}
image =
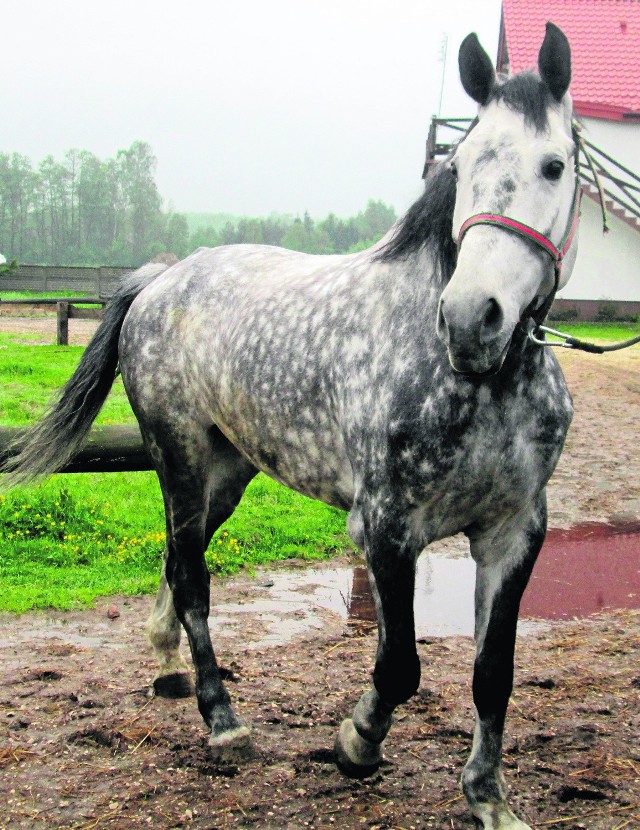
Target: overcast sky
{"type": "Point", "coordinates": [251, 106]}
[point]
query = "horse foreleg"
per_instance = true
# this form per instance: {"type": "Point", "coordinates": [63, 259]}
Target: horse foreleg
{"type": "Point", "coordinates": [164, 632]}
{"type": "Point", "coordinates": [396, 676]}
{"type": "Point", "coordinates": [505, 559]}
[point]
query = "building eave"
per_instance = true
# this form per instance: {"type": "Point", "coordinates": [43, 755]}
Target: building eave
{"type": "Point", "coordinates": [605, 112]}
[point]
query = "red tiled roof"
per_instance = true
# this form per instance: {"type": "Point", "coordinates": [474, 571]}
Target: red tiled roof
{"type": "Point", "coordinates": [605, 49]}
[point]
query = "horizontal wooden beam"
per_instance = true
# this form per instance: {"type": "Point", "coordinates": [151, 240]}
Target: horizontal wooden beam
{"type": "Point", "coordinates": [113, 448]}
{"type": "Point", "coordinates": [76, 313]}
{"type": "Point", "coordinates": [52, 301]}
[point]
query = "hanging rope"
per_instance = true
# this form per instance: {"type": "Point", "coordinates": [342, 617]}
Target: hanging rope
{"type": "Point", "coordinates": [567, 340]}
{"type": "Point", "coordinates": [577, 132]}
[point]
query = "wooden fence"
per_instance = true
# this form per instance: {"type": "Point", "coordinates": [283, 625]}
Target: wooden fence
{"type": "Point", "coordinates": [114, 448]}
{"type": "Point", "coordinates": [66, 311]}
{"type": "Point", "coordinates": [69, 308]}
{"type": "Point", "coordinates": [100, 281]}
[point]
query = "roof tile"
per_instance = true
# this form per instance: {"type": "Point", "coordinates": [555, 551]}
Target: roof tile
{"type": "Point", "coordinates": [605, 48]}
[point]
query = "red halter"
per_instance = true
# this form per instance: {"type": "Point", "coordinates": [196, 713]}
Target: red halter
{"type": "Point", "coordinates": [498, 220]}
{"type": "Point", "coordinates": [557, 254]}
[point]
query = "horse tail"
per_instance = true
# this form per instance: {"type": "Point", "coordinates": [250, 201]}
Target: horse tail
{"type": "Point", "coordinates": [48, 446]}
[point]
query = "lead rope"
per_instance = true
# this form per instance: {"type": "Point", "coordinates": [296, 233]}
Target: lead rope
{"type": "Point", "coordinates": [568, 341]}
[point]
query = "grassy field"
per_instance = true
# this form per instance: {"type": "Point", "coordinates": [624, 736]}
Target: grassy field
{"type": "Point", "coordinates": [34, 295]}
{"type": "Point", "coordinates": [606, 332]}
{"type": "Point", "coordinates": [75, 537]}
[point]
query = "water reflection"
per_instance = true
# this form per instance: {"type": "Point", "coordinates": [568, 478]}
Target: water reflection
{"type": "Point", "coordinates": [583, 570]}
{"type": "Point", "coordinates": [443, 602]}
{"type": "Point", "coordinates": [580, 571]}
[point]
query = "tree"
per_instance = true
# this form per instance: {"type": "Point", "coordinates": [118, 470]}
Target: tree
{"type": "Point", "coordinates": [205, 237]}
{"type": "Point", "coordinates": [84, 210]}
{"type": "Point", "coordinates": [376, 220]}
{"type": "Point", "coordinates": [176, 237]}
{"type": "Point", "coordinates": [299, 238]}
{"type": "Point", "coordinates": [17, 189]}
{"type": "Point", "coordinates": [136, 170]}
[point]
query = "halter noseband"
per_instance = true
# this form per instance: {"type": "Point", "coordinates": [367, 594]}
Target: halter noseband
{"type": "Point", "coordinates": [557, 254]}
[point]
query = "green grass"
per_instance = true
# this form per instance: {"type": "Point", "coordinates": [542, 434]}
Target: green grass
{"type": "Point", "coordinates": [609, 332]}
{"type": "Point", "coordinates": [35, 295]}
{"type": "Point", "coordinates": [31, 375]}
{"type": "Point", "coordinates": [76, 537]}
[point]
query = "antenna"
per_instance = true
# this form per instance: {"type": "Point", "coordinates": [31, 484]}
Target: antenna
{"type": "Point", "coordinates": [442, 58]}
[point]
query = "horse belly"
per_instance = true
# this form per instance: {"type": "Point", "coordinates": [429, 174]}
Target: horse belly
{"type": "Point", "coordinates": [305, 452]}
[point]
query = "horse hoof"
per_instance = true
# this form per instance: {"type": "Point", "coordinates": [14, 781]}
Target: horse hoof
{"type": "Point", "coordinates": [232, 745]}
{"type": "Point", "coordinates": [496, 817]}
{"type": "Point", "coordinates": [356, 757]}
{"type": "Point", "coordinates": [173, 685]}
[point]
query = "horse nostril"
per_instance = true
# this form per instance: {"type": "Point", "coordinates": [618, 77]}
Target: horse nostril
{"type": "Point", "coordinates": [441, 323]}
{"type": "Point", "coordinates": [493, 319]}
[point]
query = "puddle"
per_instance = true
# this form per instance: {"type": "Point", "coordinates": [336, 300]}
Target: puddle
{"type": "Point", "coordinates": [589, 568]}
{"type": "Point", "coordinates": [580, 571]}
{"type": "Point", "coordinates": [586, 569]}
{"type": "Point", "coordinates": [443, 601]}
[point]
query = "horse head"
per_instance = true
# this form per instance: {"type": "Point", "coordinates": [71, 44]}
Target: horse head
{"type": "Point", "coordinates": [517, 195]}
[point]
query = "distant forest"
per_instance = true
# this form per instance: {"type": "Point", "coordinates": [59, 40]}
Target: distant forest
{"type": "Point", "coordinates": [85, 211]}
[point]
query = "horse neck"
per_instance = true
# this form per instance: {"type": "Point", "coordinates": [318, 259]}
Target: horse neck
{"type": "Point", "coordinates": [413, 282]}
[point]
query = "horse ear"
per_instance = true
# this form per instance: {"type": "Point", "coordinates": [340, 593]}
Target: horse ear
{"type": "Point", "coordinates": [476, 70]}
{"type": "Point", "coordinates": [554, 61]}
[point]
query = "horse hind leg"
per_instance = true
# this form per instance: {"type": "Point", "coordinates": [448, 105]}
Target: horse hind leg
{"type": "Point", "coordinates": [163, 628]}
{"type": "Point", "coordinates": [164, 633]}
{"type": "Point", "coordinates": [202, 482]}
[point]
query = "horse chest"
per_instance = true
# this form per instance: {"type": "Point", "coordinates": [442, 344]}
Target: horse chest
{"type": "Point", "coordinates": [481, 453]}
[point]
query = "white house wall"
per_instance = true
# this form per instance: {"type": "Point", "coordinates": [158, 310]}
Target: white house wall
{"type": "Point", "coordinates": [618, 139]}
{"type": "Point", "coordinates": [608, 266]}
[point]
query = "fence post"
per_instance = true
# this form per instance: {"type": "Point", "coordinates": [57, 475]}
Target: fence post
{"type": "Point", "coordinates": [62, 323]}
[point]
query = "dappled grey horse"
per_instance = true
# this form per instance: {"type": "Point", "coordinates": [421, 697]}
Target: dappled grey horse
{"type": "Point", "coordinates": [398, 383]}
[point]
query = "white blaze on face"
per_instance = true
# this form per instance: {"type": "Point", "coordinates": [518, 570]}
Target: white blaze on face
{"type": "Point", "coordinates": [503, 168]}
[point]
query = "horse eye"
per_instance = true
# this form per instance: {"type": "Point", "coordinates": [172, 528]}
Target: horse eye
{"type": "Point", "coordinates": [453, 169]}
{"type": "Point", "coordinates": [552, 170]}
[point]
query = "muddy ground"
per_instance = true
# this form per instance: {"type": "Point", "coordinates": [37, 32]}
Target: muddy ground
{"type": "Point", "coordinates": [83, 745]}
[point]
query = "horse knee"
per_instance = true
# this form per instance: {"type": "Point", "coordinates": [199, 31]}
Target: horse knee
{"type": "Point", "coordinates": [397, 678]}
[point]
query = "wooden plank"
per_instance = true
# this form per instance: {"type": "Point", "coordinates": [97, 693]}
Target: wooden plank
{"type": "Point", "coordinates": [53, 301]}
{"type": "Point", "coordinates": [76, 313]}
{"type": "Point", "coordinates": [113, 448]}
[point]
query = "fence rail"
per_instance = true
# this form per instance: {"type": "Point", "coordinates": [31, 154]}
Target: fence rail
{"type": "Point", "coordinates": [66, 309]}
{"type": "Point", "coordinates": [113, 448]}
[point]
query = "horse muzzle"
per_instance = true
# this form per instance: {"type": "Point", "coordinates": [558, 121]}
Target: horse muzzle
{"type": "Point", "coordinates": [476, 331]}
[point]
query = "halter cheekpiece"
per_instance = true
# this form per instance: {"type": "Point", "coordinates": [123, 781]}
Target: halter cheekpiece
{"type": "Point", "coordinates": [557, 253]}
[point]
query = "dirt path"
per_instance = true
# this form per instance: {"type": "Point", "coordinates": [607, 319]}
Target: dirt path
{"type": "Point", "coordinates": [83, 746]}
